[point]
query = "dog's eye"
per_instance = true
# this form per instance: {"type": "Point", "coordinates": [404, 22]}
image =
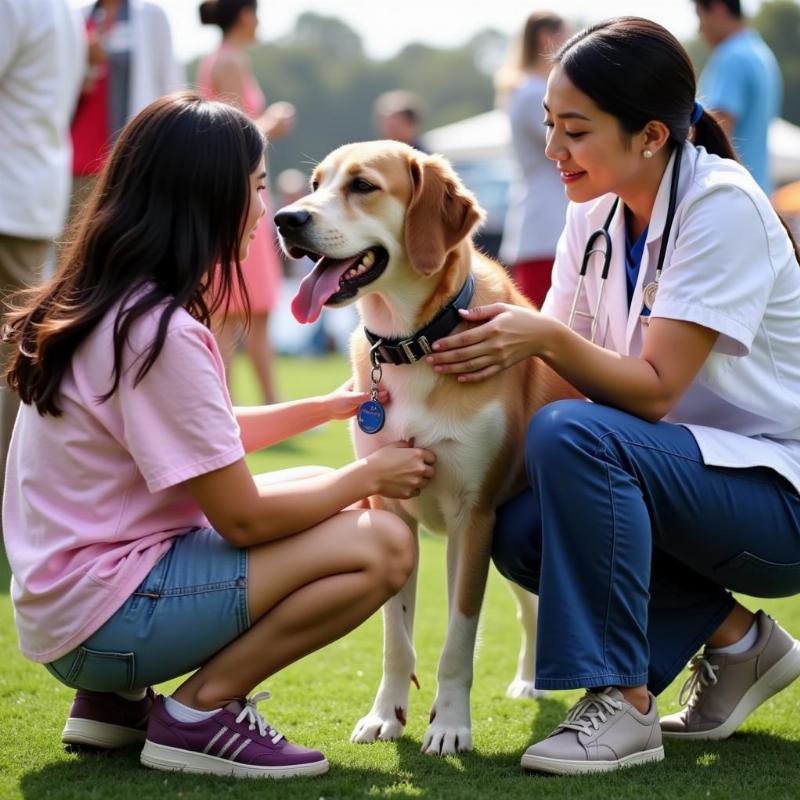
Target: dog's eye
{"type": "Point", "coordinates": [361, 186]}
{"type": "Point", "coordinates": [314, 186]}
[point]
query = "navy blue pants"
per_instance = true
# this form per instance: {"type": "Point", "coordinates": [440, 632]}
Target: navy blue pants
{"type": "Point", "coordinates": [631, 543]}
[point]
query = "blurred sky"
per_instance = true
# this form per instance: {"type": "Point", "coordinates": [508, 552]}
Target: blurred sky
{"type": "Point", "coordinates": [386, 25]}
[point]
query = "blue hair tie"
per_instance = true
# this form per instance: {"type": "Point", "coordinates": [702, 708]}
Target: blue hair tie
{"type": "Point", "coordinates": [697, 112]}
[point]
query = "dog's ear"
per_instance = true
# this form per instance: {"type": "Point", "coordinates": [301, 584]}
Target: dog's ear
{"type": "Point", "coordinates": [440, 215]}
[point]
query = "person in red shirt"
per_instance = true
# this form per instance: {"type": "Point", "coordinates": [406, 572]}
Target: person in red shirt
{"type": "Point", "coordinates": [130, 64]}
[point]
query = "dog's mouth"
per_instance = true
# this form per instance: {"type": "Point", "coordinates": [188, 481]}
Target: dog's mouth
{"type": "Point", "coordinates": [334, 280]}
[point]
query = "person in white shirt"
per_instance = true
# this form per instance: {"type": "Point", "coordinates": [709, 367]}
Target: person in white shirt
{"type": "Point", "coordinates": [680, 482]}
{"type": "Point", "coordinates": [42, 56]}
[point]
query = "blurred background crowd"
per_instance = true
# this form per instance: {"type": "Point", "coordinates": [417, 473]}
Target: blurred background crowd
{"type": "Point", "coordinates": [71, 75]}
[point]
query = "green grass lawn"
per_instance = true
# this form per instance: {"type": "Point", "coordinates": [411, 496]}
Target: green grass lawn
{"type": "Point", "coordinates": [317, 702]}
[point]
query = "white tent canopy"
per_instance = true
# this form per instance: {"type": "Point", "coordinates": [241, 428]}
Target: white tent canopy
{"type": "Point", "coordinates": [487, 136]}
{"type": "Point", "coordinates": [784, 151]}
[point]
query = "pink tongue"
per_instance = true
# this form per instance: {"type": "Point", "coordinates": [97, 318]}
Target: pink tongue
{"type": "Point", "coordinates": [318, 286]}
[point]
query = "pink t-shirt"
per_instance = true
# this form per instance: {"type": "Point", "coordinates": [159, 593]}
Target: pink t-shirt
{"type": "Point", "coordinates": [93, 497]}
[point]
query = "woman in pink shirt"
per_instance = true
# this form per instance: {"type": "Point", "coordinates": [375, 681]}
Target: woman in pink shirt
{"type": "Point", "coordinates": [141, 546]}
{"type": "Point", "coordinates": [226, 75]}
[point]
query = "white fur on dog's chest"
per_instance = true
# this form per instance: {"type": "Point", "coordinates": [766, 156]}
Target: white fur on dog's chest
{"type": "Point", "coordinates": [464, 446]}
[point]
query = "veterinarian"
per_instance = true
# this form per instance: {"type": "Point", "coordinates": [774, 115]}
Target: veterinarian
{"type": "Point", "coordinates": [141, 546]}
{"type": "Point", "coordinates": [679, 482]}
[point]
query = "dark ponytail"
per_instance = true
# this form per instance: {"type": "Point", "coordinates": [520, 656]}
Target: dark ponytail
{"type": "Point", "coordinates": [208, 12]}
{"type": "Point", "coordinates": [223, 13]}
{"type": "Point", "coordinates": [708, 133]}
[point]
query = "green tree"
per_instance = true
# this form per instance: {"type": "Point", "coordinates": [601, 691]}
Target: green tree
{"type": "Point", "coordinates": [328, 35]}
{"type": "Point", "coordinates": [322, 69]}
{"type": "Point", "coordinates": [778, 22]}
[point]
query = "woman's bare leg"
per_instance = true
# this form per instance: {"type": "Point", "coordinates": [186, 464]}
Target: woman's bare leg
{"type": "Point", "coordinates": [304, 592]}
{"type": "Point", "coordinates": [259, 349]}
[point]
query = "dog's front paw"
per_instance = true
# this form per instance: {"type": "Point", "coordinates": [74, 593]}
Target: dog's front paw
{"type": "Point", "coordinates": [442, 739]}
{"type": "Point", "coordinates": [378, 726]}
{"type": "Point", "coordinates": [450, 730]}
{"type": "Point", "coordinates": [519, 689]}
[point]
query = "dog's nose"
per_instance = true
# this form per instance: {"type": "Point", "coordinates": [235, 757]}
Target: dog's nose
{"type": "Point", "coordinates": [292, 220]}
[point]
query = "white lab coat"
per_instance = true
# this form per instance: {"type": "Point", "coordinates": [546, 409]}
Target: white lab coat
{"type": "Point", "coordinates": [729, 266]}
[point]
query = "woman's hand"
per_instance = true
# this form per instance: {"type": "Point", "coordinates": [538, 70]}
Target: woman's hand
{"type": "Point", "coordinates": [508, 334]}
{"type": "Point", "coordinates": [278, 120]}
{"type": "Point", "coordinates": [343, 403]}
{"type": "Point", "coordinates": [400, 470]}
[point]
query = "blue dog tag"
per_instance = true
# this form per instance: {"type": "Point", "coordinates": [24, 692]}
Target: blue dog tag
{"type": "Point", "coordinates": [371, 416]}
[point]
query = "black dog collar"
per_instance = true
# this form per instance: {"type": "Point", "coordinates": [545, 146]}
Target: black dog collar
{"type": "Point", "coordinates": [418, 345]}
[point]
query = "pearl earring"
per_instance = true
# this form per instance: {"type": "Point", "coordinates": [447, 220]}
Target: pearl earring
{"type": "Point", "coordinates": [648, 153]}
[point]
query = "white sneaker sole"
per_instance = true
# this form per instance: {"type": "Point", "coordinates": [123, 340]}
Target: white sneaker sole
{"type": "Point", "coordinates": [777, 677]}
{"type": "Point", "coordinates": [563, 766]}
{"type": "Point", "coordinates": [99, 734]}
{"type": "Point", "coordinates": [173, 759]}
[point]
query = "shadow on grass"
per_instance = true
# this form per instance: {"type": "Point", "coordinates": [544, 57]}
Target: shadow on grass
{"type": "Point", "coordinates": [119, 775]}
{"type": "Point", "coordinates": [756, 765]}
{"type": "Point", "coordinates": [550, 712]}
{"type": "Point", "coordinates": [748, 765]}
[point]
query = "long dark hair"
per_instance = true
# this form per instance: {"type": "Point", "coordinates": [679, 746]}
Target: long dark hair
{"type": "Point", "coordinates": [637, 71]}
{"type": "Point", "coordinates": [162, 228]}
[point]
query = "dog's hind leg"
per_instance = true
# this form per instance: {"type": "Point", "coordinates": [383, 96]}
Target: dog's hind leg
{"type": "Point", "coordinates": [468, 549]}
{"type": "Point", "coordinates": [522, 687]}
{"type": "Point", "coordinates": [387, 718]}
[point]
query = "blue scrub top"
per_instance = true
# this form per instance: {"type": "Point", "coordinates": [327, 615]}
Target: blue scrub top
{"type": "Point", "coordinates": [633, 257]}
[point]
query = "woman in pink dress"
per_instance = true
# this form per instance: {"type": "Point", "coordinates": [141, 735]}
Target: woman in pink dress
{"type": "Point", "coordinates": [226, 75]}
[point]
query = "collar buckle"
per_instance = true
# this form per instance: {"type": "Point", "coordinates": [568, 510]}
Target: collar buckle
{"type": "Point", "coordinates": [412, 357]}
{"type": "Point", "coordinates": [418, 345]}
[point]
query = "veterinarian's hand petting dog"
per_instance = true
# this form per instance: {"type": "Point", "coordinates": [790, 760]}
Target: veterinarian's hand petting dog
{"type": "Point", "coordinates": [506, 335]}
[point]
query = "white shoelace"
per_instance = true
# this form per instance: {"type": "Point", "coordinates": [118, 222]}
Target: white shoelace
{"type": "Point", "coordinates": [703, 673]}
{"type": "Point", "coordinates": [591, 710]}
{"type": "Point", "coordinates": [254, 718]}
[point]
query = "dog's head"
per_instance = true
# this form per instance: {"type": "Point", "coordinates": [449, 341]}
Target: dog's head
{"type": "Point", "coordinates": [379, 214]}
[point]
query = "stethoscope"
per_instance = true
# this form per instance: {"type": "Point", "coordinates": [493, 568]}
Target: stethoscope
{"type": "Point", "coordinates": [592, 248]}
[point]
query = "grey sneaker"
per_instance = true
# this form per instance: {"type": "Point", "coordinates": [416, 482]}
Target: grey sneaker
{"type": "Point", "coordinates": [723, 689]}
{"type": "Point", "coordinates": [602, 732]}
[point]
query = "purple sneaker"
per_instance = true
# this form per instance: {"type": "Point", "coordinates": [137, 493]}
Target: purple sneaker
{"type": "Point", "coordinates": [104, 719]}
{"type": "Point", "coordinates": [236, 741]}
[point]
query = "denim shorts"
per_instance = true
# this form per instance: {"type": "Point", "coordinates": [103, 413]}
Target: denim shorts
{"type": "Point", "coordinates": [191, 604]}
